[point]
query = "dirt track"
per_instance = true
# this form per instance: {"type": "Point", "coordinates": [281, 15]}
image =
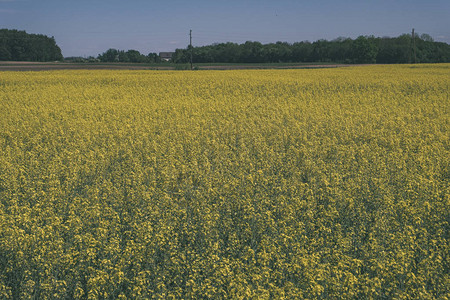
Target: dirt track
{"type": "Point", "coordinates": [36, 66]}
{"type": "Point", "coordinates": [256, 66]}
{"type": "Point", "coordinates": [31, 66]}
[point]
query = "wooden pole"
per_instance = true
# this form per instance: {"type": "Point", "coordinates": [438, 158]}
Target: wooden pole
{"type": "Point", "coordinates": [190, 45]}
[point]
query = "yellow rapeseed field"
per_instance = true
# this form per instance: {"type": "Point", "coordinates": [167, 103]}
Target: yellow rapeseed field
{"type": "Point", "coordinates": [246, 184]}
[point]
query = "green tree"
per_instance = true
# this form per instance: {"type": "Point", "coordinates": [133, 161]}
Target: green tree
{"type": "Point", "coordinates": [301, 52]}
{"type": "Point", "coordinates": [111, 55]}
{"type": "Point", "coordinates": [364, 50]}
{"type": "Point", "coordinates": [135, 56]}
{"type": "Point", "coordinates": [153, 58]}
{"type": "Point", "coordinates": [20, 46]}
{"type": "Point", "coordinates": [4, 53]}
{"type": "Point", "coordinates": [345, 50]}
{"type": "Point", "coordinates": [426, 37]}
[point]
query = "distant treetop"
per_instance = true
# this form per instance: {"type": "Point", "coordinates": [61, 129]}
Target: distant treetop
{"type": "Point", "coordinates": [18, 45]}
{"type": "Point", "coordinates": [364, 49]}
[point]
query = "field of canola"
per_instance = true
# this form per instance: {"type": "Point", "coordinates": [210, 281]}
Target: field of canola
{"type": "Point", "coordinates": [258, 184]}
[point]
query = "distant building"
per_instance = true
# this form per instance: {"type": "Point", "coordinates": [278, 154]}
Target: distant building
{"type": "Point", "coordinates": [166, 55]}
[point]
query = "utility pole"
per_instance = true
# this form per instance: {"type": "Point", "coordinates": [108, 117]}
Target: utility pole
{"type": "Point", "coordinates": [414, 45]}
{"type": "Point", "coordinates": [190, 45]}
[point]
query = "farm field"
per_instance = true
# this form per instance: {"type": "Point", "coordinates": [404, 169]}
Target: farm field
{"type": "Point", "coordinates": [243, 184]}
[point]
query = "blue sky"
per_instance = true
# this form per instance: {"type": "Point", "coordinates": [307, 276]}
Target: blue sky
{"type": "Point", "coordinates": [83, 28]}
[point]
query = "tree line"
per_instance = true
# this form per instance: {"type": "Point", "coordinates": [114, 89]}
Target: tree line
{"type": "Point", "coordinates": [16, 45]}
{"type": "Point", "coordinates": [364, 49]}
{"type": "Point", "coordinates": [133, 56]}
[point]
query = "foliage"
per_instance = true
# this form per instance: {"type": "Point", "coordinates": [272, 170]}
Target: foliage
{"type": "Point", "coordinates": [134, 56]}
{"type": "Point", "coordinates": [18, 45]}
{"type": "Point", "coordinates": [344, 50]}
{"type": "Point", "coordinates": [264, 184]}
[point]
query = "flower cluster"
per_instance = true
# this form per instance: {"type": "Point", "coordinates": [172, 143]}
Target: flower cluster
{"type": "Point", "coordinates": [265, 184]}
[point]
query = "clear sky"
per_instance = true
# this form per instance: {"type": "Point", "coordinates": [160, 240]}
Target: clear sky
{"type": "Point", "coordinates": [84, 28]}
